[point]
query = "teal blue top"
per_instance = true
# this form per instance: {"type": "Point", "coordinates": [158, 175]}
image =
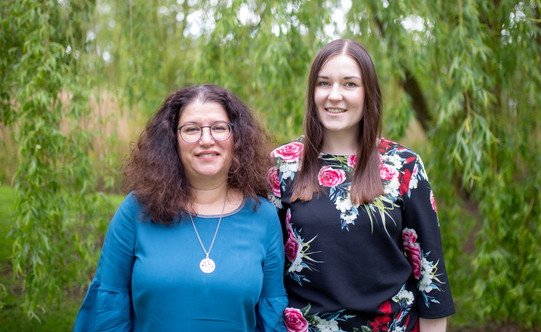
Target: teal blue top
{"type": "Point", "coordinates": [148, 276]}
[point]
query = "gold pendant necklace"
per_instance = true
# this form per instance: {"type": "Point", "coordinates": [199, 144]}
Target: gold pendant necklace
{"type": "Point", "coordinates": [207, 265]}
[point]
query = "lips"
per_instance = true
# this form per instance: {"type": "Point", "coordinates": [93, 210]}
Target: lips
{"type": "Point", "coordinates": [207, 154]}
{"type": "Point", "coordinates": [335, 110]}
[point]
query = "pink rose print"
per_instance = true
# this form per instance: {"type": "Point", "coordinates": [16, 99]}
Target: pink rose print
{"type": "Point", "coordinates": [289, 152]}
{"type": "Point", "coordinates": [329, 177]}
{"type": "Point", "coordinates": [352, 161]}
{"type": "Point", "coordinates": [409, 236]}
{"type": "Point", "coordinates": [433, 201]}
{"type": "Point", "coordinates": [387, 173]}
{"type": "Point", "coordinates": [413, 250]}
{"type": "Point", "coordinates": [274, 181]}
{"type": "Point", "coordinates": [294, 320]}
{"type": "Point", "coordinates": [292, 246]}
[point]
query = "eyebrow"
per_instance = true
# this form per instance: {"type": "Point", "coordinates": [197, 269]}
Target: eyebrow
{"type": "Point", "coordinates": [199, 123]}
{"type": "Point", "coordinates": [345, 77]}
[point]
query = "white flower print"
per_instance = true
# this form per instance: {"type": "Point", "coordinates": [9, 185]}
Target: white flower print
{"type": "Point", "coordinates": [326, 325]}
{"type": "Point", "coordinates": [404, 295]}
{"type": "Point", "coordinates": [288, 169]}
{"type": "Point", "coordinates": [394, 160]}
{"type": "Point", "coordinates": [343, 204]}
{"type": "Point", "coordinates": [392, 187]}
{"type": "Point", "coordinates": [348, 217]}
{"type": "Point", "coordinates": [277, 201]}
{"type": "Point", "coordinates": [348, 211]}
{"type": "Point", "coordinates": [427, 274]}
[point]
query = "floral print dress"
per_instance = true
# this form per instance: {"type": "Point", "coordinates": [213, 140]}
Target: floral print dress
{"type": "Point", "coordinates": [374, 267]}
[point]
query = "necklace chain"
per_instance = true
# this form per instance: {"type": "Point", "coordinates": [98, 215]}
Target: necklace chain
{"type": "Point", "coordinates": [207, 253]}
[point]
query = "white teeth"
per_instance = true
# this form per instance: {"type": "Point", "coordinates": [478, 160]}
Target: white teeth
{"type": "Point", "coordinates": [335, 110]}
{"type": "Point", "coordinates": [207, 155]}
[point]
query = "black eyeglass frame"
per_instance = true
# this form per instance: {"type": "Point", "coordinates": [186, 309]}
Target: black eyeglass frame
{"type": "Point", "coordinates": [229, 125]}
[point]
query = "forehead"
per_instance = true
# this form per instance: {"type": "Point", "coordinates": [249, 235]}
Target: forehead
{"type": "Point", "coordinates": [203, 113]}
{"type": "Point", "coordinates": [340, 65]}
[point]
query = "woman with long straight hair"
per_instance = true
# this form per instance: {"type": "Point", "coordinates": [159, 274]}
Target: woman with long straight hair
{"type": "Point", "coordinates": [362, 241]}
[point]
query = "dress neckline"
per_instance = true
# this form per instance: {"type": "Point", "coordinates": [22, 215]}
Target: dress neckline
{"type": "Point", "coordinates": [236, 210]}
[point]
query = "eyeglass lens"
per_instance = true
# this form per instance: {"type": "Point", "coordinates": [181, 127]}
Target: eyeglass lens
{"type": "Point", "coordinates": [220, 131]}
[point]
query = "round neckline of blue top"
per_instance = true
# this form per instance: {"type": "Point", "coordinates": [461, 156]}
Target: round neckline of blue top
{"type": "Point", "coordinates": [209, 216]}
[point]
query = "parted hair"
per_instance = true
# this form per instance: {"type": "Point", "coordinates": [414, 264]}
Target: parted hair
{"type": "Point", "coordinates": [154, 171]}
{"type": "Point", "coordinates": [366, 183]}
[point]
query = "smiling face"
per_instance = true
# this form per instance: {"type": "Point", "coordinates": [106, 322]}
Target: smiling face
{"type": "Point", "coordinates": [339, 95]}
{"type": "Point", "coordinates": [206, 160]}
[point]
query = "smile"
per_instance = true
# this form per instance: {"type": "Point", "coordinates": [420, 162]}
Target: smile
{"type": "Point", "coordinates": [335, 110]}
{"type": "Point", "coordinates": [207, 155]}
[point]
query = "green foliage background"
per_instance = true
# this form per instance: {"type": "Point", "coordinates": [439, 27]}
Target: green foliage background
{"type": "Point", "coordinates": [466, 73]}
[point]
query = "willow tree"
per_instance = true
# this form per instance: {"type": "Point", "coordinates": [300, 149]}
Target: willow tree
{"type": "Point", "coordinates": [467, 72]}
{"type": "Point", "coordinates": [470, 75]}
{"type": "Point", "coordinates": [45, 102]}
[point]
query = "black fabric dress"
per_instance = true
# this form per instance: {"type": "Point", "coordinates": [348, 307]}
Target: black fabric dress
{"type": "Point", "coordinates": [376, 267]}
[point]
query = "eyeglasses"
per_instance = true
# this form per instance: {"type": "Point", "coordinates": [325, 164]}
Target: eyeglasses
{"type": "Point", "coordinates": [191, 132]}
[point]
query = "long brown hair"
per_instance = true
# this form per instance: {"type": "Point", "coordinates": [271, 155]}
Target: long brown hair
{"type": "Point", "coordinates": [366, 183]}
{"type": "Point", "coordinates": [155, 173]}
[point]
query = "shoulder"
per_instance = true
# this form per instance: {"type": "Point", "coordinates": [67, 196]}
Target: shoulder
{"type": "Point", "coordinates": [289, 152]}
{"type": "Point", "coordinates": [263, 210]}
{"type": "Point", "coordinates": [130, 210]}
{"type": "Point", "coordinates": [263, 207]}
{"type": "Point", "coordinates": [395, 156]}
{"type": "Point", "coordinates": [396, 153]}
{"type": "Point", "coordinates": [131, 203]}
{"type": "Point", "coordinates": [266, 205]}
{"type": "Point", "coordinates": [388, 147]}
{"type": "Point", "coordinates": [264, 217]}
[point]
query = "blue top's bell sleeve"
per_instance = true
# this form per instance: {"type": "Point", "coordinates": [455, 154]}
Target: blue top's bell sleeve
{"type": "Point", "coordinates": [273, 299]}
{"type": "Point", "coordinates": [107, 305]}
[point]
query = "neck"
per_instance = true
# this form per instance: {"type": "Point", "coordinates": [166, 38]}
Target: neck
{"type": "Point", "coordinates": [213, 200]}
{"type": "Point", "coordinates": [339, 143]}
{"type": "Point", "coordinates": [205, 194]}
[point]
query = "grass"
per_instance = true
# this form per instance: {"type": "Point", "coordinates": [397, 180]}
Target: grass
{"type": "Point", "coordinates": [59, 317]}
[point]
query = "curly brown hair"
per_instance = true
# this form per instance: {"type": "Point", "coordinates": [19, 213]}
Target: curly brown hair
{"type": "Point", "coordinates": [154, 171]}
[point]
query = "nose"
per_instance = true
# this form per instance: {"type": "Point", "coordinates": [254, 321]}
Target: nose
{"type": "Point", "coordinates": [335, 93]}
{"type": "Point", "coordinates": [206, 137]}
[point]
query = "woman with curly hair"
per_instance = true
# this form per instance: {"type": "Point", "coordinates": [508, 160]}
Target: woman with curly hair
{"type": "Point", "coordinates": [194, 246]}
{"type": "Point", "coordinates": [363, 246]}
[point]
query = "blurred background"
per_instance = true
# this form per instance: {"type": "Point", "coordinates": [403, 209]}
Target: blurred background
{"type": "Point", "coordinates": [461, 83]}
